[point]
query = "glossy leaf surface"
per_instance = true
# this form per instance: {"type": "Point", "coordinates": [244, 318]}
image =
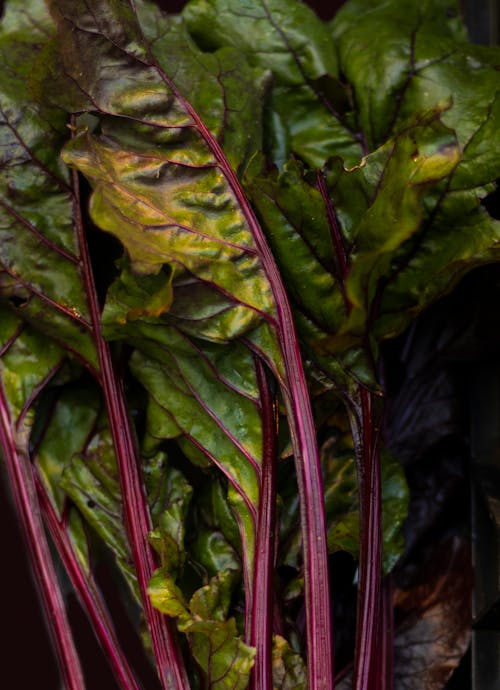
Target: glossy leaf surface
{"type": "Point", "coordinates": [308, 109]}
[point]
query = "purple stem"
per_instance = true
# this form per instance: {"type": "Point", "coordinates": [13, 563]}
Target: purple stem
{"type": "Point", "coordinates": [387, 671]}
{"type": "Point", "coordinates": [21, 480]}
{"type": "Point", "coordinates": [302, 430]}
{"type": "Point", "coordinates": [261, 627]}
{"type": "Point", "coordinates": [87, 591]}
{"type": "Point", "coordinates": [137, 517]}
{"type": "Point", "coordinates": [368, 650]}
{"type": "Point", "coordinates": [303, 434]}
{"type": "Point", "coordinates": [336, 235]}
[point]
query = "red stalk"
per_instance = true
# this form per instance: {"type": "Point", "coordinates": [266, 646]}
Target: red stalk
{"type": "Point", "coordinates": [87, 592]}
{"type": "Point", "coordinates": [137, 517]}
{"type": "Point", "coordinates": [365, 430]}
{"type": "Point", "coordinates": [261, 628]}
{"type": "Point", "coordinates": [387, 661]}
{"type": "Point", "coordinates": [22, 483]}
{"type": "Point", "coordinates": [302, 430]}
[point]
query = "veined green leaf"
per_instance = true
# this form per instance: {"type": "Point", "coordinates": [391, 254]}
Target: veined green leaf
{"type": "Point", "coordinates": [190, 396]}
{"type": "Point", "coordinates": [308, 111]}
{"type": "Point", "coordinates": [91, 480]}
{"type": "Point", "coordinates": [171, 494]}
{"type": "Point", "coordinates": [402, 58]}
{"type": "Point", "coordinates": [341, 500]}
{"type": "Point", "coordinates": [216, 646]}
{"type": "Point", "coordinates": [37, 388]}
{"type": "Point", "coordinates": [36, 214]}
{"type": "Point", "coordinates": [224, 90]}
{"type": "Point", "coordinates": [289, 672]}
{"type": "Point", "coordinates": [386, 47]}
{"type": "Point", "coordinates": [378, 247]}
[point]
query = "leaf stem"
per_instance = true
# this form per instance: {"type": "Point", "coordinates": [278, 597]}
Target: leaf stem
{"type": "Point", "coordinates": [336, 235]}
{"type": "Point", "coordinates": [387, 671]}
{"type": "Point", "coordinates": [262, 609]}
{"type": "Point", "coordinates": [302, 431]}
{"type": "Point", "coordinates": [21, 479]}
{"type": "Point", "coordinates": [137, 517]}
{"type": "Point", "coordinates": [87, 591]}
{"type": "Point", "coordinates": [365, 430]}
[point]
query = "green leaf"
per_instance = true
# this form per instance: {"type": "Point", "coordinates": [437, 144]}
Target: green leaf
{"type": "Point", "coordinates": [385, 48]}
{"type": "Point", "coordinates": [131, 297]}
{"type": "Point", "coordinates": [213, 551]}
{"type": "Point", "coordinates": [216, 545]}
{"type": "Point", "coordinates": [299, 233]}
{"type": "Point", "coordinates": [211, 407]}
{"type": "Point", "coordinates": [215, 644]}
{"type": "Point", "coordinates": [403, 58]}
{"type": "Point", "coordinates": [170, 494]}
{"type": "Point", "coordinates": [91, 480]}
{"type": "Point", "coordinates": [395, 504]}
{"type": "Point", "coordinates": [72, 419]}
{"type": "Point", "coordinates": [341, 501]}
{"type": "Point", "coordinates": [289, 671]}
{"type": "Point", "coordinates": [36, 214]}
{"type": "Point", "coordinates": [224, 90]}
{"type": "Point", "coordinates": [166, 596]}
{"type": "Point", "coordinates": [413, 164]}
{"type": "Point", "coordinates": [385, 240]}
{"type": "Point", "coordinates": [308, 110]}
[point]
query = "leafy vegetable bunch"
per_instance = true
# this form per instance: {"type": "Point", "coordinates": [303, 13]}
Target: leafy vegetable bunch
{"type": "Point", "coordinates": [279, 196]}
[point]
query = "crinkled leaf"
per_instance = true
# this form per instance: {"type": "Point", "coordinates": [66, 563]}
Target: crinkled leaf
{"type": "Point", "coordinates": [166, 212]}
{"type": "Point", "coordinates": [157, 186]}
{"type": "Point", "coordinates": [36, 214]}
{"type": "Point", "coordinates": [289, 671]}
{"type": "Point", "coordinates": [214, 641]}
{"type": "Point", "coordinates": [224, 90]}
{"type": "Point", "coordinates": [308, 111]}
{"type": "Point", "coordinates": [426, 64]}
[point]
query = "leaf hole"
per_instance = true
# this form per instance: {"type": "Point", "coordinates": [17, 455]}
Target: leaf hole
{"type": "Point", "coordinates": [18, 302]}
{"type": "Point", "coordinates": [492, 203]}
